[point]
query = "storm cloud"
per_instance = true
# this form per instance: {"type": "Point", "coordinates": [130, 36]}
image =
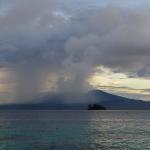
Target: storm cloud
{"type": "Point", "coordinates": [51, 37]}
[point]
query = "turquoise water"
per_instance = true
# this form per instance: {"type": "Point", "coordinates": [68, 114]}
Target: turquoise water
{"type": "Point", "coordinates": [74, 130]}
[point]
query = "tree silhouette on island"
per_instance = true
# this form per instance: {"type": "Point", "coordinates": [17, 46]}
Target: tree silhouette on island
{"type": "Point", "coordinates": [96, 107]}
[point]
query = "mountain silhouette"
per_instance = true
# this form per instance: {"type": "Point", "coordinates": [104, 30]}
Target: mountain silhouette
{"type": "Point", "coordinates": [81, 101]}
{"type": "Point", "coordinates": [111, 101]}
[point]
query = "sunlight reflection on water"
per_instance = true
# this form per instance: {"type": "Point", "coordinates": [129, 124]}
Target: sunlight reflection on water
{"type": "Point", "coordinates": [74, 130]}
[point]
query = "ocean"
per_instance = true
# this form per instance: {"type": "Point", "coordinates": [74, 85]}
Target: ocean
{"type": "Point", "coordinates": [74, 130]}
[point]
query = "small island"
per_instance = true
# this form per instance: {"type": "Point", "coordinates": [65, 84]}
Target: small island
{"type": "Point", "coordinates": [96, 107]}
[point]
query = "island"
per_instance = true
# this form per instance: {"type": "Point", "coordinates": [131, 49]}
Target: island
{"type": "Point", "coordinates": [96, 107]}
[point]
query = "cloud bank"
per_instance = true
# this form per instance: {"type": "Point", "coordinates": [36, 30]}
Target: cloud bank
{"type": "Point", "coordinates": [48, 37]}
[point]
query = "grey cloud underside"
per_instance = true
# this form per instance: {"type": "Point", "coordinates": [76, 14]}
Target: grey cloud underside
{"type": "Point", "coordinates": [55, 37]}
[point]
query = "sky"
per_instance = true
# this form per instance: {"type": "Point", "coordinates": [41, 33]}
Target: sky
{"type": "Point", "coordinates": [74, 46]}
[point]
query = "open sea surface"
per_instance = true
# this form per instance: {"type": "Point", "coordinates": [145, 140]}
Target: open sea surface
{"type": "Point", "coordinates": [74, 130]}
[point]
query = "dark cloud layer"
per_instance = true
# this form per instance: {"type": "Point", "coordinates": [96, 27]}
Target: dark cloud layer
{"type": "Point", "coordinates": [42, 37]}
